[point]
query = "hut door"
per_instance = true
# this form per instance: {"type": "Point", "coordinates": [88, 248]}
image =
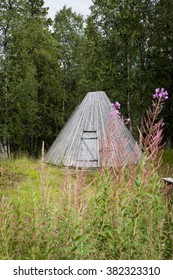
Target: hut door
{"type": "Point", "coordinates": [88, 153]}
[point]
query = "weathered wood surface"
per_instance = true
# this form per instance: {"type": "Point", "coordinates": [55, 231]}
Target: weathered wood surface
{"type": "Point", "coordinates": [94, 136]}
{"type": "Point", "coordinates": [168, 180]}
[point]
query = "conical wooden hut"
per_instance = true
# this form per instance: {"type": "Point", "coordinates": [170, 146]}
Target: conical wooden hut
{"type": "Point", "coordinates": [94, 136]}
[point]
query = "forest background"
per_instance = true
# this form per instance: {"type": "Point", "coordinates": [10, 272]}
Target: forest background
{"type": "Point", "coordinates": [124, 48]}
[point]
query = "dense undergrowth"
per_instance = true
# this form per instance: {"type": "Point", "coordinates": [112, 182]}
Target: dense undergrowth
{"type": "Point", "coordinates": [52, 213]}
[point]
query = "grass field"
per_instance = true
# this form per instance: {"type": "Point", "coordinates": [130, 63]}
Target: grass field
{"type": "Point", "coordinates": [48, 212]}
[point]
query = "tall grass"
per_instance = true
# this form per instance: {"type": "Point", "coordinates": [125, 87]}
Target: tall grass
{"type": "Point", "coordinates": [115, 213]}
{"type": "Point", "coordinates": [86, 217]}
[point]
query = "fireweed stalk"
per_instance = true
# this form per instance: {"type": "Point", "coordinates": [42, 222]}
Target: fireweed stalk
{"type": "Point", "coordinates": [151, 133]}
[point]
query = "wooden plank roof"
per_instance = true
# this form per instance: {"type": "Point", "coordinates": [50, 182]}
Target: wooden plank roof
{"type": "Point", "coordinates": [94, 136]}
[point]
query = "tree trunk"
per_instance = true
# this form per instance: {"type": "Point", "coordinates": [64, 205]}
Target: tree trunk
{"type": "Point", "coordinates": [4, 150]}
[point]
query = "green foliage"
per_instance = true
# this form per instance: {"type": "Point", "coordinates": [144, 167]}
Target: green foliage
{"type": "Point", "coordinates": [125, 56]}
{"type": "Point", "coordinates": [30, 77]}
{"type": "Point", "coordinates": [69, 34]}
